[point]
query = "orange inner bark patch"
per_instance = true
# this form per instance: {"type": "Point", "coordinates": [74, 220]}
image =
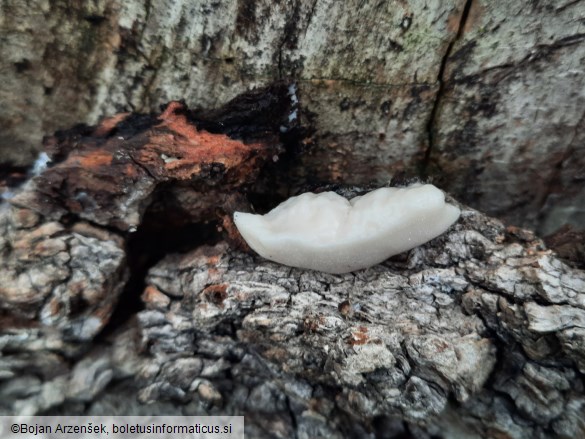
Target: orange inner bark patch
{"type": "Point", "coordinates": [186, 149]}
{"type": "Point", "coordinates": [131, 171]}
{"type": "Point", "coordinates": [359, 337]}
{"type": "Point", "coordinates": [312, 323]}
{"type": "Point", "coordinates": [212, 261]}
{"type": "Point", "coordinates": [108, 124]}
{"type": "Point", "coordinates": [172, 119]}
{"type": "Point", "coordinates": [150, 293]}
{"type": "Point", "coordinates": [216, 294]}
{"type": "Point", "coordinates": [153, 297]}
{"type": "Point", "coordinates": [93, 159]}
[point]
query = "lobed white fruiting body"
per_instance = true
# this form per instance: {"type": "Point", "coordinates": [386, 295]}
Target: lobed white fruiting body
{"type": "Point", "coordinates": [327, 232]}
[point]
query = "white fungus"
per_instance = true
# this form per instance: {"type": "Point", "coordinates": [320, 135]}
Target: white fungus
{"type": "Point", "coordinates": [329, 233]}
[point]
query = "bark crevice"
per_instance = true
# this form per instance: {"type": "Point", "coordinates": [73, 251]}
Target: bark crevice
{"type": "Point", "coordinates": [442, 81]}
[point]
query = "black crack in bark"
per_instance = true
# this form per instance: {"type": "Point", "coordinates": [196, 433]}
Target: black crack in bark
{"type": "Point", "coordinates": [433, 118]}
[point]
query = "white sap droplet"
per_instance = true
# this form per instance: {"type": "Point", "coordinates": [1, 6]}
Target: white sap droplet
{"type": "Point", "coordinates": [41, 163]}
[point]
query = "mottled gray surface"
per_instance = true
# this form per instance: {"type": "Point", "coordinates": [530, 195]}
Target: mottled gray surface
{"type": "Point", "coordinates": [478, 333]}
{"type": "Point", "coordinates": [494, 96]}
{"type": "Point", "coordinates": [66, 278]}
{"type": "Point", "coordinates": [510, 129]}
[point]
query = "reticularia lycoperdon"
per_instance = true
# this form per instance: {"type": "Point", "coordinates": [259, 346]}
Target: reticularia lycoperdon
{"type": "Point", "coordinates": [329, 233]}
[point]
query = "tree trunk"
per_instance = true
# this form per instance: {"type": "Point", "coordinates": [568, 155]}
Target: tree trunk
{"type": "Point", "coordinates": [487, 98]}
{"type": "Point", "coordinates": [478, 333]}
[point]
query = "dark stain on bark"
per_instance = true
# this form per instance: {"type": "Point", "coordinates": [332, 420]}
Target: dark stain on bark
{"type": "Point", "coordinates": [344, 104]}
{"type": "Point", "coordinates": [413, 106]}
{"type": "Point", "coordinates": [216, 294]}
{"type": "Point", "coordinates": [94, 19]}
{"type": "Point", "coordinates": [385, 107]}
{"type": "Point", "coordinates": [290, 32]}
{"type": "Point", "coordinates": [569, 243]}
{"type": "Point", "coordinates": [246, 25]}
{"type": "Point", "coordinates": [465, 139]}
{"type": "Point", "coordinates": [395, 46]}
{"type": "Point", "coordinates": [347, 104]}
{"type": "Point", "coordinates": [22, 66]}
{"type": "Point", "coordinates": [457, 62]}
{"type": "Point", "coordinates": [289, 41]}
{"type": "Point", "coordinates": [485, 104]}
{"type": "Point", "coordinates": [214, 171]}
{"type": "Point", "coordinates": [262, 110]}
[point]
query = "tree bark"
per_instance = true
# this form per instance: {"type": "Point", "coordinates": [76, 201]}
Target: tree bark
{"type": "Point", "coordinates": [480, 332]}
{"type": "Point", "coordinates": [484, 97]}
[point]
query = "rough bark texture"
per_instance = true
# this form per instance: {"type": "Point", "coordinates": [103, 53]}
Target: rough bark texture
{"type": "Point", "coordinates": [63, 240]}
{"type": "Point", "coordinates": [509, 132]}
{"type": "Point", "coordinates": [484, 96]}
{"type": "Point", "coordinates": [480, 332]}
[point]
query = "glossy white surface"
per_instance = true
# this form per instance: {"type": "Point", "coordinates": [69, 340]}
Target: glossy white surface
{"type": "Point", "coordinates": [329, 233]}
